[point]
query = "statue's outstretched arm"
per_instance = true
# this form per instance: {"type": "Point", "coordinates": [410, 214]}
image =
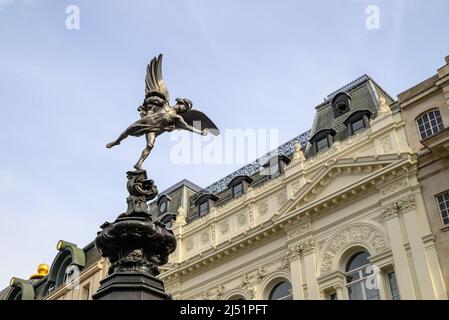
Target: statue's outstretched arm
{"type": "Point", "coordinates": [181, 124]}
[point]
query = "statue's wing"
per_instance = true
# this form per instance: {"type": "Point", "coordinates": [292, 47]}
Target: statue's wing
{"type": "Point", "coordinates": [153, 80]}
{"type": "Point", "coordinates": [200, 121]}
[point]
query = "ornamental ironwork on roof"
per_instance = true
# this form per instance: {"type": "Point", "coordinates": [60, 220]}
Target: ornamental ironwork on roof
{"type": "Point", "coordinates": [254, 167]}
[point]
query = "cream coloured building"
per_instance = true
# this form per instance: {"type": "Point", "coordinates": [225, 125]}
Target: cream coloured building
{"type": "Point", "coordinates": [339, 213]}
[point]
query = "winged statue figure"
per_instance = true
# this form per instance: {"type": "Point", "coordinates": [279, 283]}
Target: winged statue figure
{"type": "Point", "coordinates": [157, 116]}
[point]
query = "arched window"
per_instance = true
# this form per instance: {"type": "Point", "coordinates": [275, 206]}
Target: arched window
{"type": "Point", "coordinates": [361, 278]}
{"type": "Point", "coordinates": [429, 124]}
{"type": "Point", "coordinates": [281, 291]}
{"type": "Point", "coordinates": [237, 297]}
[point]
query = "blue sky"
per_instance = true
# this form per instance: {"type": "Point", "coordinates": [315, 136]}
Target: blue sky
{"type": "Point", "coordinates": [247, 64]}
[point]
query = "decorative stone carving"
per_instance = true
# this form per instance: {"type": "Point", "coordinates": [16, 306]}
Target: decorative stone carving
{"type": "Point", "coordinates": [400, 206]}
{"type": "Point", "coordinates": [261, 272]}
{"type": "Point", "coordinates": [262, 208]}
{"type": "Point", "coordinates": [224, 227]}
{"type": "Point", "coordinates": [282, 197]}
{"type": "Point", "coordinates": [220, 291]}
{"type": "Point", "coordinates": [251, 292]}
{"type": "Point", "coordinates": [367, 234]}
{"type": "Point", "coordinates": [307, 247]}
{"type": "Point", "coordinates": [242, 219]}
{"type": "Point", "coordinates": [386, 145]}
{"type": "Point", "coordinates": [383, 106]}
{"type": "Point", "coordinates": [327, 263]}
{"type": "Point", "coordinates": [298, 154]}
{"type": "Point", "coordinates": [295, 188]}
{"type": "Point", "coordinates": [205, 238]}
{"type": "Point", "coordinates": [245, 281]}
{"type": "Point", "coordinates": [181, 218]}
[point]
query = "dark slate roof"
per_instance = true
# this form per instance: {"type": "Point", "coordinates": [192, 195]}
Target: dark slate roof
{"type": "Point", "coordinates": [254, 167]}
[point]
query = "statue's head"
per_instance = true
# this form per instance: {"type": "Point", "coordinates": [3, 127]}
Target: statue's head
{"type": "Point", "coordinates": [183, 105]}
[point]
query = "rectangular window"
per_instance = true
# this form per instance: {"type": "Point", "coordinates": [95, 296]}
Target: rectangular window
{"type": "Point", "coordinates": [393, 286]}
{"type": "Point", "coordinates": [322, 144]}
{"type": "Point", "coordinates": [203, 208]}
{"type": "Point", "coordinates": [237, 190]}
{"type": "Point", "coordinates": [357, 125]}
{"type": "Point", "coordinates": [443, 206]}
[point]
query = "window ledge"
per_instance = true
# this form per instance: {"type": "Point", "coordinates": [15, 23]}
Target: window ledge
{"type": "Point", "coordinates": [445, 228]}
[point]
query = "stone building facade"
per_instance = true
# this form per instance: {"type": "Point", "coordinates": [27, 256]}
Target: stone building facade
{"type": "Point", "coordinates": [338, 212]}
{"type": "Point", "coordinates": [425, 109]}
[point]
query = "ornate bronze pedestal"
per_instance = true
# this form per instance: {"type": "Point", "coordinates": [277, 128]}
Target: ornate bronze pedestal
{"type": "Point", "coordinates": [135, 244]}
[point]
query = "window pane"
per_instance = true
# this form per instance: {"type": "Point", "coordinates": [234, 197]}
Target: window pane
{"type": "Point", "coordinates": [237, 190]}
{"type": "Point", "coordinates": [393, 286]}
{"type": "Point", "coordinates": [282, 291]}
{"type": "Point", "coordinates": [355, 292]}
{"type": "Point", "coordinates": [430, 124]}
{"type": "Point", "coordinates": [443, 204]}
{"type": "Point", "coordinates": [358, 260]}
{"type": "Point", "coordinates": [372, 294]}
{"type": "Point", "coordinates": [358, 125]}
{"type": "Point", "coordinates": [204, 208]}
{"type": "Point", "coordinates": [351, 277]}
{"type": "Point", "coordinates": [322, 144]}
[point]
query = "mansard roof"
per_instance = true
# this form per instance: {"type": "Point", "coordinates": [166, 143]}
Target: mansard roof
{"type": "Point", "coordinates": [364, 93]}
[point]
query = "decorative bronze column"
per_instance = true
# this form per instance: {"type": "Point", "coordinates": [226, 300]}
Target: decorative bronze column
{"type": "Point", "coordinates": [135, 244]}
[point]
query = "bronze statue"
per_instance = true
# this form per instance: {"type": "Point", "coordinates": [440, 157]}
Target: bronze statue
{"type": "Point", "coordinates": [157, 116]}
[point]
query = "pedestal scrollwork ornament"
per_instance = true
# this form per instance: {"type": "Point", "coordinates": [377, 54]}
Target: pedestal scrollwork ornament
{"type": "Point", "coordinates": [136, 243]}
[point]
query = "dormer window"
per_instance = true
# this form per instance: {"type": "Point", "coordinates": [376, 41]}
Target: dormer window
{"type": "Point", "coordinates": [275, 166]}
{"type": "Point", "coordinates": [357, 121]}
{"type": "Point", "coordinates": [322, 144]}
{"type": "Point", "coordinates": [203, 208]}
{"type": "Point", "coordinates": [341, 103]}
{"type": "Point", "coordinates": [322, 139]}
{"type": "Point", "coordinates": [358, 125]}
{"type": "Point", "coordinates": [239, 185]}
{"type": "Point", "coordinates": [163, 204]}
{"type": "Point", "coordinates": [203, 204]}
